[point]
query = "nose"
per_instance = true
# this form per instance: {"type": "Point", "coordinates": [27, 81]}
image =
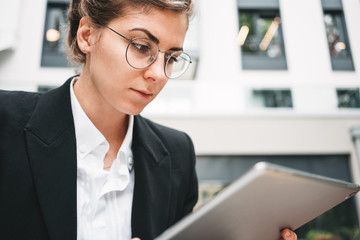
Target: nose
{"type": "Point", "coordinates": [155, 71]}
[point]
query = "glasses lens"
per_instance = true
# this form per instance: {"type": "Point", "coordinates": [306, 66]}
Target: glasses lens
{"type": "Point", "coordinates": [177, 64]}
{"type": "Point", "coordinates": [141, 52]}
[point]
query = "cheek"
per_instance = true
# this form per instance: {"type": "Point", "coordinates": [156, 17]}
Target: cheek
{"type": "Point", "coordinates": [161, 84]}
{"type": "Point", "coordinates": [109, 54]}
{"type": "Point", "coordinates": [110, 69]}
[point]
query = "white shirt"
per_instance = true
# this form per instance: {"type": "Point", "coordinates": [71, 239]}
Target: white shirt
{"type": "Point", "coordinates": [104, 198]}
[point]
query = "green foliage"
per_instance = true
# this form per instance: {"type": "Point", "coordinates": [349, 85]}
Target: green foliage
{"type": "Point", "coordinates": [344, 233]}
{"type": "Point", "coordinates": [321, 235]}
{"type": "Point", "coordinates": [341, 221]}
{"type": "Point", "coordinates": [351, 234]}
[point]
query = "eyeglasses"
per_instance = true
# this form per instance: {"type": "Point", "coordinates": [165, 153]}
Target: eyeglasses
{"type": "Point", "coordinates": [142, 52]}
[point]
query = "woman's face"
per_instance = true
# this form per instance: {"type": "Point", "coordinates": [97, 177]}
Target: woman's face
{"type": "Point", "coordinates": [115, 83]}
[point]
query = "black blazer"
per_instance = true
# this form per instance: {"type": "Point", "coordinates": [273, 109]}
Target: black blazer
{"type": "Point", "coordinates": [38, 170]}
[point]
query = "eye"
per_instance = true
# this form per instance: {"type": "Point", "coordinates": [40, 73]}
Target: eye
{"type": "Point", "coordinates": [141, 47]}
{"type": "Point", "coordinates": [172, 60]}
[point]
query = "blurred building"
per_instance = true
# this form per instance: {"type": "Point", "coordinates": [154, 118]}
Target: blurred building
{"type": "Point", "coordinates": [271, 80]}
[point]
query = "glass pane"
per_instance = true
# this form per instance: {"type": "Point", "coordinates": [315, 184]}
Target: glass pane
{"type": "Point", "coordinates": [260, 33]}
{"type": "Point", "coordinates": [272, 98]}
{"type": "Point", "coordinates": [54, 53]}
{"type": "Point", "coordinates": [336, 34]}
{"type": "Point", "coordinates": [348, 98]}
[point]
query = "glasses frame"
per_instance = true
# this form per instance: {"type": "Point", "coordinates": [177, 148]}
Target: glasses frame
{"type": "Point", "coordinates": [168, 55]}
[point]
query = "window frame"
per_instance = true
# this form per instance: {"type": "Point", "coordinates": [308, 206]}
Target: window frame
{"type": "Point", "coordinates": [341, 62]}
{"type": "Point", "coordinates": [259, 91]}
{"type": "Point", "coordinates": [259, 61]}
{"type": "Point", "coordinates": [51, 58]}
{"type": "Point", "coordinates": [357, 99]}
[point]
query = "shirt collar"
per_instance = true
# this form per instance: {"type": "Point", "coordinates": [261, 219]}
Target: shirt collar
{"type": "Point", "coordinates": [88, 137]}
{"type": "Point", "coordinates": [126, 145]}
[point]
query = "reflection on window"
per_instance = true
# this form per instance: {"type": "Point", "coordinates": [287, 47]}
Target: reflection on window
{"type": "Point", "coordinates": [348, 98]}
{"type": "Point", "coordinates": [54, 54]}
{"type": "Point", "coordinates": [272, 98]}
{"type": "Point", "coordinates": [338, 42]}
{"type": "Point", "coordinates": [335, 34]}
{"type": "Point", "coordinates": [259, 35]}
{"type": "Point", "coordinates": [261, 39]}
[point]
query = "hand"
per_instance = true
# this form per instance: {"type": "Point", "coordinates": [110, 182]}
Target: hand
{"type": "Point", "coordinates": [135, 239]}
{"type": "Point", "coordinates": [287, 234]}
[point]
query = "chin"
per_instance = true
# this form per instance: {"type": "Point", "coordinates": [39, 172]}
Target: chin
{"type": "Point", "coordinates": [135, 110]}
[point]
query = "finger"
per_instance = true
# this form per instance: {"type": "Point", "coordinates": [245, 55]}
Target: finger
{"type": "Point", "coordinates": [136, 239]}
{"type": "Point", "coordinates": [287, 234]}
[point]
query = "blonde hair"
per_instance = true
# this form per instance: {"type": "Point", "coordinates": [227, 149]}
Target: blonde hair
{"type": "Point", "coordinates": [103, 11]}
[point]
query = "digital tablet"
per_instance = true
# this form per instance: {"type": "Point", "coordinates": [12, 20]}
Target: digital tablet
{"type": "Point", "coordinates": [265, 200]}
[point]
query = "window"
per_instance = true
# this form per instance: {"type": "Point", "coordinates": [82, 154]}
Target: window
{"type": "Point", "coordinates": [341, 222]}
{"type": "Point", "coordinates": [260, 35]}
{"type": "Point", "coordinates": [348, 98]}
{"type": "Point", "coordinates": [53, 53]}
{"type": "Point", "coordinates": [271, 98]}
{"type": "Point", "coordinates": [336, 33]}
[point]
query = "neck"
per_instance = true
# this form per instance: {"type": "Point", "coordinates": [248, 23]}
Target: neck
{"type": "Point", "coordinates": [109, 121]}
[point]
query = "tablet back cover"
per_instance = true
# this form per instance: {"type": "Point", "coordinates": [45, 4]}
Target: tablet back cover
{"type": "Point", "coordinates": [261, 203]}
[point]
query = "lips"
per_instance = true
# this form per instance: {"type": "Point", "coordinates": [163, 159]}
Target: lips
{"type": "Point", "coordinates": [143, 93]}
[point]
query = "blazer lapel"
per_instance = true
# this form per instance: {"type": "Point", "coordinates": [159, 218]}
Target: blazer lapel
{"type": "Point", "coordinates": [51, 143]}
{"type": "Point", "coordinates": [152, 189]}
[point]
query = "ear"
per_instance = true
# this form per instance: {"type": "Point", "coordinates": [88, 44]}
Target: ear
{"type": "Point", "coordinates": [84, 34]}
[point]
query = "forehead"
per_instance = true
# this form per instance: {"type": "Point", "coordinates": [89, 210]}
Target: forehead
{"type": "Point", "coordinates": [166, 25]}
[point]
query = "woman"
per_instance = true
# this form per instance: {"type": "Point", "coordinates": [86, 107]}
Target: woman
{"type": "Point", "coordinates": [86, 165]}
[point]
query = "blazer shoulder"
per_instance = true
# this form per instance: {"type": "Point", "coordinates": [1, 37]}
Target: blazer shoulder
{"type": "Point", "coordinates": [17, 106]}
{"type": "Point", "coordinates": [167, 134]}
{"type": "Point", "coordinates": [18, 98]}
{"type": "Point", "coordinates": [178, 143]}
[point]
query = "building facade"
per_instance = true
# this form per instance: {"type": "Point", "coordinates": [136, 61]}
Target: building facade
{"type": "Point", "coordinates": [272, 80]}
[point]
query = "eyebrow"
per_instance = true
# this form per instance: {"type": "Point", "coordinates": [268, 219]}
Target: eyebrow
{"type": "Point", "coordinates": [152, 37]}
